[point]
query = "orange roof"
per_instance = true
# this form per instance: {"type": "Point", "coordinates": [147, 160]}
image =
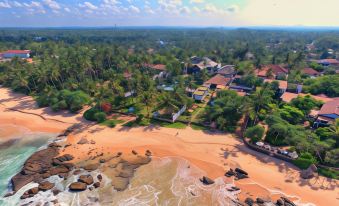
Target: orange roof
{"type": "Point", "coordinates": [18, 51]}
{"type": "Point", "coordinates": [282, 84]}
{"type": "Point", "coordinates": [218, 80]}
{"type": "Point", "coordinates": [329, 61]}
{"type": "Point", "coordinates": [310, 71]}
{"type": "Point", "coordinates": [276, 70]}
{"type": "Point", "coordinates": [331, 107]}
{"type": "Point", "coordinates": [160, 67]}
{"type": "Point", "coordinates": [288, 96]}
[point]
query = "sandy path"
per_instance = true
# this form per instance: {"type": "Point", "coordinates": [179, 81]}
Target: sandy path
{"type": "Point", "coordinates": [211, 152]}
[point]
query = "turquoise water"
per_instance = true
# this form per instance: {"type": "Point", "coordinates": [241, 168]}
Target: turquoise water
{"type": "Point", "coordinates": [13, 157]}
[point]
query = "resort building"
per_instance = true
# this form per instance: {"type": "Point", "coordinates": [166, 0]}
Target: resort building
{"type": "Point", "coordinates": [310, 72]}
{"type": "Point", "coordinates": [288, 97]}
{"type": "Point", "coordinates": [217, 80]}
{"type": "Point", "coordinates": [328, 113]}
{"type": "Point", "coordinates": [24, 54]}
{"type": "Point", "coordinates": [198, 64]}
{"type": "Point", "coordinates": [272, 71]}
{"type": "Point", "coordinates": [328, 62]}
{"type": "Point", "coordinates": [282, 85]}
{"type": "Point", "coordinates": [227, 71]}
{"type": "Point", "coordinates": [200, 93]}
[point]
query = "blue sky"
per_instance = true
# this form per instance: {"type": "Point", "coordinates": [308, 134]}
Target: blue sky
{"type": "Point", "coordinates": [41, 13]}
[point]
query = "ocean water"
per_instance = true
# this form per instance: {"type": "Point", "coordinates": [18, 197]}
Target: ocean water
{"type": "Point", "coordinates": [13, 156]}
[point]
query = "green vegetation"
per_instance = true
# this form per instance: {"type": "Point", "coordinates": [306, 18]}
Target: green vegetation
{"type": "Point", "coordinates": [109, 71]}
{"type": "Point", "coordinates": [255, 133]}
{"type": "Point", "coordinates": [112, 122]}
{"type": "Point", "coordinates": [226, 110]}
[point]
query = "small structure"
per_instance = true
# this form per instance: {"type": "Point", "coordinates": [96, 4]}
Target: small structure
{"type": "Point", "coordinates": [217, 80]}
{"type": "Point", "coordinates": [282, 85]}
{"type": "Point", "coordinates": [310, 72]}
{"type": "Point", "coordinates": [24, 54]}
{"type": "Point", "coordinates": [227, 71]}
{"type": "Point", "coordinates": [328, 62]}
{"type": "Point", "coordinates": [200, 93]}
{"type": "Point", "coordinates": [328, 113]}
{"type": "Point", "coordinates": [168, 114]}
{"type": "Point", "coordinates": [288, 96]}
{"type": "Point", "coordinates": [271, 71]}
{"type": "Point", "coordinates": [198, 64]}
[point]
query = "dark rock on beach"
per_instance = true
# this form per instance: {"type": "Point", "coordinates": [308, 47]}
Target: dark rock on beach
{"type": "Point", "coordinates": [96, 185]}
{"type": "Point", "coordinates": [238, 170]}
{"type": "Point", "coordinates": [230, 173]}
{"type": "Point", "coordinates": [249, 201]}
{"type": "Point", "coordinates": [83, 141]}
{"type": "Point", "coordinates": [91, 167]}
{"type": "Point", "coordinates": [44, 186]}
{"type": "Point", "coordinates": [260, 201]}
{"type": "Point", "coordinates": [36, 165]}
{"type": "Point", "coordinates": [88, 179]}
{"type": "Point", "coordinates": [206, 181]}
{"type": "Point", "coordinates": [78, 186]}
{"type": "Point", "coordinates": [99, 177]}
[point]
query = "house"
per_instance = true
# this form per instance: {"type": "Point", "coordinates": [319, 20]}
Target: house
{"type": "Point", "coordinates": [227, 71]}
{"type": "Point", "coordinates": [288, 96]}
{"type": "Point", "coordinates": [310, 72]}
{"type": "Point", "coordinates": [200, 93]}
{"type": "Point", "coordinates": [159, 69]}
{"type": "Point", "coordinates": [328, 113]}
{"type": "Point", "coordinates": [198, 64]}
{"type": "Point", "coordinates": [24, 54]}
{"type": "Point", "coordinates": [272, 71]}
{"type": "Point", "coordinates": [282, 84]}
{"type": "Point", "coordinates": [217, 80]}
{"type": "Point", "coordinates": [328, 62]}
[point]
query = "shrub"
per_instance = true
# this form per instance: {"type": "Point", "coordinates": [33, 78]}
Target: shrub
{"type": "Point", "coordinates": [89, 114]}
{"type": "Point", "coordinates": [304, 161]}
{"type": "Point", "coordinates": [256, 133]}
{"type": "Point", "coordinates": [100, 117]}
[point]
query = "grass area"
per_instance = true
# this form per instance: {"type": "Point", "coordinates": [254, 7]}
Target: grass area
{"type": "Point", "coordinates": [334, 174]}
{"type": "Point", "coordinates": [112, 122]}
{"type": "Point", "coordinates": [198, 127]}
{"type": "Point", "coordinates": [175, 125]}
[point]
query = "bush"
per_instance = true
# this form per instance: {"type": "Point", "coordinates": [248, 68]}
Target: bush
{"type": "Point", "coordinates": [100, 117]}
{"type": "Point", "coordinates": [304, 161]}
{"type": "Point", "coordinates": [256, 133]}
{"type": "Point", "coordinates": [89, 114]}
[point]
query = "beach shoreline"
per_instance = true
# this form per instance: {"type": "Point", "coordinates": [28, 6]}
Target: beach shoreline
{"type": "Point", "coordinates": [214, 153]}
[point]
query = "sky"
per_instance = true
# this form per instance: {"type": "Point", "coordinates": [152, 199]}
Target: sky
{"type": "Point", "coordinates": [196, 13]}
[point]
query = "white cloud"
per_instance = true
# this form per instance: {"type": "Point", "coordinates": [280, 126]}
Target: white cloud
{"type": "Point", "coordinates": [67, 9]}
{"type": "Point", "coordinates": [88, 5]}
{"type": "Point", "coordinates": [16, 4]}
{"type": "Point", "coordinates": [4, 4]}
{"type": "Point", "coordinates": [52, 4]}
{"type": "Point", "coordinates": [134, 9]}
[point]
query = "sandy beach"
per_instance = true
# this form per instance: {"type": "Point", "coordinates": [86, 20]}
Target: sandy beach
{"type": "Point", "coordinates": [213, 153]}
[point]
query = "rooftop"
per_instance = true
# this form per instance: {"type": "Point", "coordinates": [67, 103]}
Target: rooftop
{"type": "Point", "coordinates": [276, 70]}
{"type": "Point", "coordinates": [218, 80]}
{"type": "Point", "coordinates": [331, 107]}
{"type": "Point", "coordinates": [17, 52]}
{"type": "Point", "coordinates": [282, 84]}
{"type": "Point", "coordinates": [288, 96]}
{"type": "Point", "coordinates": [310, 71]}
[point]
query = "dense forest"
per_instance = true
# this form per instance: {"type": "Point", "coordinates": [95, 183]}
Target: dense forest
{"type": "Point", "coordinates": [72, 68]}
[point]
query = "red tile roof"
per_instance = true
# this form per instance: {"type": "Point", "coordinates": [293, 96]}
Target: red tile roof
{"type": "Point", "coordinates": [160, 67]}
{"type": "Point", "coordinates": [218, 80]}
{"type": "Point", "coordinates": [310, 71]}
{"type": "Point", "coordinates": [288, 96]}
{"type": "Point", "coordinates": [276, 70]}
{"type": "Point", "coordinates": [330, 61]}
{"type": "Point", "coordinates": [17, 51]}
{"type": "Point", "coordinates": [331, 107]}
{"type": "Point", "coordinates": [282, 84]}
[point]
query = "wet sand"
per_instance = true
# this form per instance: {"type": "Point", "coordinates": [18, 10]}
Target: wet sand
{"type": "Point", "coordinates": [214, 153]}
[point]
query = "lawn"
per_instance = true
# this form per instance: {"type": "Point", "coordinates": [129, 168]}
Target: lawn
{"type": "Point", "coordinates": [198, 127]}
{"type": "Point", "coordinates": [112, 122]}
